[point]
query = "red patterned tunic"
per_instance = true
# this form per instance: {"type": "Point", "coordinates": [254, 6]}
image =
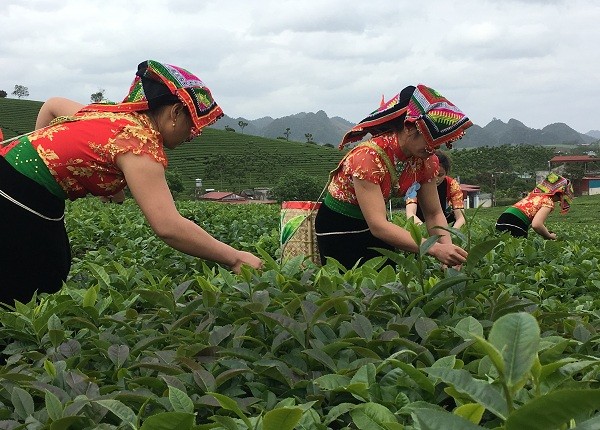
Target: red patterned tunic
{"type": "Point", "coordinates": [81, 155]}
{"type": "Point", "coordinates": [531, 204]}
{"type": "Point", "coordinates": [365, 163]}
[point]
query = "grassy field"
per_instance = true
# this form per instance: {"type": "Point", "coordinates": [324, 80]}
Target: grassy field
{"type": "Point", "coordinates": [234, 161]}
{"type": "Point", "coordinates": [17, 116]}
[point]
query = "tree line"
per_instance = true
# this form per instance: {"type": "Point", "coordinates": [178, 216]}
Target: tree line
{"type": "Point", "coordinates": [19, 91]}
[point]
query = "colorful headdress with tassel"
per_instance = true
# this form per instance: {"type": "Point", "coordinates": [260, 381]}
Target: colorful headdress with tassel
{"type": "Point", "coordinates": [437, 119]}
{"type": "Point", "coordinates": [553, 184]}
{"type": "Point", "coordinates": [156, 81]}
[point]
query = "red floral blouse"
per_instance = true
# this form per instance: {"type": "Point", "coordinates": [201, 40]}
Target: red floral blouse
{"type": "Point", "coordinates": [455, 194]}
{"type": "Point", "coordinates": [365, 163]}
{"type": "Point", "coordinates": [81, 155]}
{"type": "Point", "coordinates": [531, 204]}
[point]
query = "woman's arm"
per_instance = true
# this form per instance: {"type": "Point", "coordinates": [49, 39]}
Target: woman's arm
{"type": "Point", "coordinates": [411, 211]}
{"type": "Point", "coordinates": [432, 211]}
{"type": "Point", "coordinates": [372, 205]}
{"type": "Point", "coordinates": [459, 215]}
{"type": "Point", "coordinates": [146, 181]}
{"type": "Point", "coordinates": [55, 107]}
{"type": "Point", "coordinates": [537, 224]}
{"type": "Point", "coordinates": [455, 199]}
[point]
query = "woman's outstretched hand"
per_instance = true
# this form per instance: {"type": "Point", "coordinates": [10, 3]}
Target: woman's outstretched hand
{"type": "Point", "coordinates": [449, 254]}
{"type": "Point", "coordinates": [247, 258]}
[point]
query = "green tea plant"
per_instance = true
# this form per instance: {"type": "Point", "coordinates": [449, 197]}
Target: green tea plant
{"type": "Point", "coordinates": [143, 337]}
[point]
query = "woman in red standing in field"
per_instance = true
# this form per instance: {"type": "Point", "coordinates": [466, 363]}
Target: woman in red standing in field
{"type": "Point", "coordinates": [99, 149]}
{"type": "Point", "coordinates": [533, 210]}
{"type": "Point", "coordinates": [398, 160]}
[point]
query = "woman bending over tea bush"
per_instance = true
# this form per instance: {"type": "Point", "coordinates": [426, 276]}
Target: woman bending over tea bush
{"type": "Point", "coordinates": [449, 193]}
{"type": "Point", "coordinates": [99, 149]}
{"type": "Point", "coordinates": [398, 160]}
{"type": "Point", "coordinates": [533, 209]}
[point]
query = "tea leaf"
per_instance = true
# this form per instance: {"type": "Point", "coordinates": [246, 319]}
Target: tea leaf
{"type": "Point", "coordinates": [231, 405]}
{"type": "Point", "coordinates": [122, 411]}
{"type": "Point", "coordinates": [372, 416]}
{"type": "Point", "coordinates": [518, 337]}
{"type": "Point", "coordinates": [90, 297]}
{"type": "Point", "coordinates": [169, 421]}
{"type": "Point", "coordinates": [22, 402]}
{"type": "Point", "coordinates": [282, 418]}
{"type": "Point", "coordinates": [180, 400]}
{"type": "Point", "coordinates": [332, 382]}
{"type": "Point", "coordinates": [477, 252]}
{"type": "Point", "coordinates": [53, 406]}
{"type": "Point", "coordinates": [430, 419]}
{"type": "Point", "coordinates": [480, 391]}
{"type": "Point", "coordinates": [292, 326]}
{"type": "Point", "coordinates": [470, 411]}
{"type": "Point", "coordinates": [99, 273]}
{"type": "Point", "coordinates": [118, 354]}
{"type": "Point", "coordinates": [322, 358]}
{"type": "Point", "coordinates": [554, 409]}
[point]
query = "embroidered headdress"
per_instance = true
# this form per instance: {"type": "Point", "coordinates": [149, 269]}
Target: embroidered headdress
{"type": "Point", "coordinates": [155, 83]}
{"type": "Point", "coordinates": [553, 184]}
{"type": "Point", "coordinates": [437, 119]}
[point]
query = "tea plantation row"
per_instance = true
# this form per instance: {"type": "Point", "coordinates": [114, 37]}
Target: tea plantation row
{"type": "Point", "coordinates": [144, 337]}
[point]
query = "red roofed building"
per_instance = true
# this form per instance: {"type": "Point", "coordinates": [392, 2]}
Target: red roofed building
{"type": "Point", "coordinates": [229, 197]}
{"type": "Point", "coordinates": [473, 197]}
{"type": "Point", "coordinates": [557, 160]}
{"type": "Point", "coordinates": [587, 184]}
{"type": "Point", "coordinates": [590, 185]}
{"type": "Point", "coordinates": [222, 196]}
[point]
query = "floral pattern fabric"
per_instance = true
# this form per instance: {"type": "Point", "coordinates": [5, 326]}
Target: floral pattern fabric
{"type": "Point", "coordinates": [365, 163]}
{"type": "Point", "coordinates": [455, 194]}
{"type": "Point", "coordinates": [531, 204]}
{"type": "Point", "coordinates": [81, 153]}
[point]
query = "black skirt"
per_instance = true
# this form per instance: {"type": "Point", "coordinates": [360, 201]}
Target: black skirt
{"type": "Point", "coordinates": [446, 207]}
{"type": "Point", "coordinates": [35, 254]}
{"type": "Point", "coordinates": [346, 239]}
{"type": "Point", "coordinates": [512, 224]}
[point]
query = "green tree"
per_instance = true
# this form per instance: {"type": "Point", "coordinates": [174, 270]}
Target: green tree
{"type": "Point", "coordinates": [174, 180]}
{"type": "Point", "coordinates": [242, 124]}
{"type": "Point", "coordinates": [287, 133]}
{"type": "Point", "coordinates": [309, 137]}
{"type": "Point", "coordinates": [505, 170]}
{"type": "Point", "coordinates": [3, 94]}
{"type": "Point", "coordinates": [97, 97]}
{"type": "Point", "coordinates": [297, 185]}
{"type": "Point", "coordinates": [20, 91]}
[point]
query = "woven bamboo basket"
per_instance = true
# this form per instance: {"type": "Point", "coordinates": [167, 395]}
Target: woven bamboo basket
{"type": "Point", "coordinates": [298, 230]}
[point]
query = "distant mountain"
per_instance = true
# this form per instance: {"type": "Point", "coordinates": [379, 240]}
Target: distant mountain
{"type": "Point", "coordinates": [514, 132]}
{"type": "Point", "coordinates": [322, 128]}
{"type": "Point", "coordinates": [18, 116]}
{"type": "Point", "coordinates": [594, 133]}
{"type": "Point", "coordinates": [331, 130]}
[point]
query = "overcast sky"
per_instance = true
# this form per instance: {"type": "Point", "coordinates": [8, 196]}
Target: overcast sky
{"type": "Point", "coordinates": [535, 61]}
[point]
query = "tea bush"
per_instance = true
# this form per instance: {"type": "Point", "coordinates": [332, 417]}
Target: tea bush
{"type": "Point", "coordinates": [144, 337]}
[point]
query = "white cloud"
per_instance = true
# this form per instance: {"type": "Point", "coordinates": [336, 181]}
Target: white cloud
{"type": "Point", "coordinates": [535, 61]}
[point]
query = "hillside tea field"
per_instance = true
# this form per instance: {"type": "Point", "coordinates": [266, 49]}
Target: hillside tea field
{"type": "Point", "coordinates": [143, 337]}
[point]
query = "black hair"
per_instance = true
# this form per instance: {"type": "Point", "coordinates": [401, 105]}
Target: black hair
{"type": "Point", "coordinates": [397, 124]}
{"type": "Point", "coordinates": [444, 160]}
{"type": "Point", "coordinates": [158, 94]}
